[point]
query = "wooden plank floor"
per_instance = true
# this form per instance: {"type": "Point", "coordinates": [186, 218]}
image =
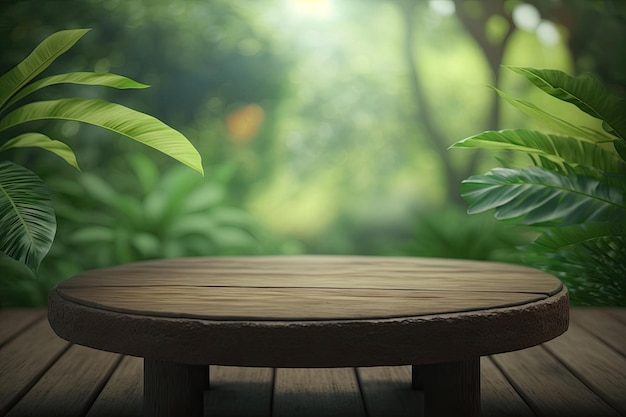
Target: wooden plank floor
{"type": "Point", "coordinates": [582, 373]}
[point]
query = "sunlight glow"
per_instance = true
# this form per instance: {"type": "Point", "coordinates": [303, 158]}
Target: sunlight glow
{"type": "Point", "coordinates": [314, 8]}
{"type": "Point", "coordinates": [442, 7]}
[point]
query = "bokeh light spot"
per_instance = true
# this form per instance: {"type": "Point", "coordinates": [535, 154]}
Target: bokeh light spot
{"type": "Point", "coordinates": [442, 7]}
{"type": "Point", "coordinates": [244, 123]}
{"type": "Point", "coordinates": [548, 33]}
{"type": "Point", "coordinates": [526, 17]}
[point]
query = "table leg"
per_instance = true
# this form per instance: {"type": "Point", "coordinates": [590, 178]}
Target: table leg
{"type": "Point", "coordinates": [173, 389]}
{"type": "Point", "coordinates": [451, 388]}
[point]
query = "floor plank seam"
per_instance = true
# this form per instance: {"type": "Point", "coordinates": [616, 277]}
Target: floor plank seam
{"type": "Point", "coordinates": [272, 391]}
{"type": "Point", "coordinates": [606, 341]}
{"type": "Point", "coordinates": [582, 378]}
{"type": "Point", "coordinates": [23, 329]}
{"type": "Point", "coordinates": [100, 387]}
{"type": "Point", "coordinates": [359, 384]}
{"type": "Point", "coordinates": [35, 380]}
{"type": "Point", "coordinates": [520, 392]}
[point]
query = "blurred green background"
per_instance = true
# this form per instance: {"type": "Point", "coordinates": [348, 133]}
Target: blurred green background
{"type": "Point", "coordinates": [323, 124]}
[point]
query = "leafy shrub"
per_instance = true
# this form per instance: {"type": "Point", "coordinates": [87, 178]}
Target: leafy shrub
{"type": "Point", "coordinates": [447, 232]}
{"type": "Point", "coordinates": [574, 191]}
{"type": "Point", "coordinates": [147, 215]}
{"type": "Point", "coordinates": [27, 217]}
{"type": "Point", "coordinates": [27, 214]}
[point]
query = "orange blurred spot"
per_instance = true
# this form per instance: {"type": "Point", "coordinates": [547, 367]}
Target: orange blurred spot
{"type": "Point", "coordinates": [244, 123]}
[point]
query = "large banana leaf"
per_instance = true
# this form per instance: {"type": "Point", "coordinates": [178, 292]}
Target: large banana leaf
{"type": "Point", "coordinates": [556, 148]}
{"type": "Point", "coordinates": [538, 196]}
{"type": "Point", "coordinates": [115, 117]}
{"type": "Point", "coordinates": [39, 140]}
{"type": "Point", "coordinates": [44, 54]}
{"type": "Point", "coordinates": [81, 78]}
{"type": "Point", "coordinates": [27, 222]}
{"type": "Point", "coordinates": [585, 92]}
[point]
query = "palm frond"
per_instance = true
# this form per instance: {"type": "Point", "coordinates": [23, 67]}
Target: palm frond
{"type": "Point", "coordinates": [556, 148]}
{"type": "Point", "coordinates": [585, 92]}
{"type": "Point", "coordinates": [553, 122]}
{"type": "Point", "coordinates": [541, 197]}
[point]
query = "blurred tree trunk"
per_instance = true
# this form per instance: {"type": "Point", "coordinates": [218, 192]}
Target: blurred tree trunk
{"type": "Point", "coordinates": [475, 25]}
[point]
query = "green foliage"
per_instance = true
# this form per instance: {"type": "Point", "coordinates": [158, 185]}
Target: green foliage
{"type": "Point", "coordinates": [447, 232]}
{"type": "Point", "coordinates": [176, 214]}
{"type": "Point", "coordinates": [26, 215]}
{"type": "Point", "coordinates": [18, 284]}
{"type": "Point", "coordinates": [575, 192]}
{"type": "Point", "coordinates": [27, 218]}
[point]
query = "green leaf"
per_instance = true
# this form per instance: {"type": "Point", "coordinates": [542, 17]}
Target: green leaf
{"type": "Point", "coordinates": [26, 215]}
{"type": "Point", "coordinates": [146, 171]}
{"type": "Point", "coordinates": [620, 148]}
{"type": "Point", "coordinates": [126, 205]}
{"type": "Point", "coordinates": [589, 258]}
{"type": "Point", "coordinates": [14, 270]}
{"type": "Point", "coordinates": [81, 78]}
{"type": "Point", "coordinates": [585, 92]}
{"type": "Point", "coordinates": [555, 123]}
{"type": "Point", "coordinates": [44, 54]}
{"type": "Point", "coordinates": [562, 237]}
{"type": "Point", "coordinates": [558, 149]}
{"type": "Point", "coordinates": [538, 196]}
{"type": "Point", "coordinates": [115, 117]}
{"type": "Point", "coordinates": [39, 140]}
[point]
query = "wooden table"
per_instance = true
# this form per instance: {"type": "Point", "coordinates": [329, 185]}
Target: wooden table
{"type": "Point", "coordinates": [438, 315]}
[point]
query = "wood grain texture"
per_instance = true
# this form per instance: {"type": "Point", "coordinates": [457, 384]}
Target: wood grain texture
{"type": "Point", "coordinates": [452, 388]}
{"type": "Point", "coordinates": [173, 389]}
{"type": "Point", "coordinates": [548, 387]}
{"type": "Point", "coordinates": [317, 392]}
{"type": "Point", "coordinates": [597, 365]}
{"type": "Point", "coordinates": [306, 287]}
{"type": "Point", "coordinates": [550, 384]}
{"type": "Point", "coordinates": [351, 311]}
{"type": "Point", "coordinates": [417, 340]}
{"type": "Point", "coordinates": [244, 303]}
{"type": "Point", "coordinates": [13, 321]}
{"type": "Point", "coordinates": [89, 370]}
{"type": "Point", "coordinates": [122, 395]}
{"type": "Point", "coordinates": [498, 397]}
{"type": "Point", "coordinates": [604, 324]}
{"type": "Point", "coordinates": [25, 359]}
{"type": "Point", "coordinates": [323, 272]}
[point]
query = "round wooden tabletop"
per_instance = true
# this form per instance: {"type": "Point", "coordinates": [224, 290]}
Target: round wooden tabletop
{"type": "Point", "coordinates": [309, 311]}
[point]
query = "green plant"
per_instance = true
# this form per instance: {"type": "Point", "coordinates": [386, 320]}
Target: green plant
{"type": "Point", "coordinates": [574, 192]}
{"type": "Point", "coordinates": [447, 232]}
{"type": "Point", "coordinates": [146, 215]}
{"type": "Point", "coordinates": [27, 217]}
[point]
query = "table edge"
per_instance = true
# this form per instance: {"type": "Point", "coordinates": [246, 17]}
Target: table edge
{"type": "Point", "coordinates": [327, 343]}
